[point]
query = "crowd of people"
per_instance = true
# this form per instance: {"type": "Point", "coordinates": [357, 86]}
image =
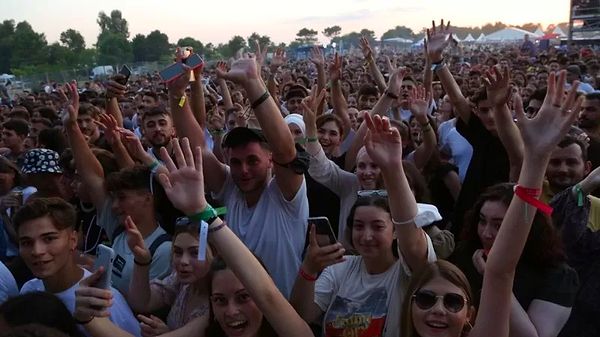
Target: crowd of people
{"type": "Point", "coordinates": [458, 182]}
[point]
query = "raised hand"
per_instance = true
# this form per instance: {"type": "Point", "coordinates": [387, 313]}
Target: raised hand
{"type": "Point", "coordinates": [72, 102]}
{"type": "Point", "coordinates": [335, 68]}
{"type": "Point", "coordinates": [136, 244]}
{"type": "Point", "coordinates": [115, 89]}
{"type": "Point", "coordinates": [277, 60]}
{"type": "Point", "coordinates": [152, 326]}
{"type": "Point", "coordinates": [222, 66]}
{"type": "Point", "coordinates": [437, 40]}
{"type": "Point", "coordinates": [383, 142]}
{"type": "Point", "coordinates": [365, 47]}
{"type": "Point", "coordinates": [92, 302]}
{"type": "Point", "coordinates": [391, 66]}
{"type": "Point", "coordinates": [216, 120]}
{"type": "Point", "coordinates": [178, 85]}
{"type": "Point", "coordinates": [395, 81]}
{"type": "Point", "coordinates": [497, 86]}
{"type": "Point", "coordinates": [320, 257]}
{"type": "Point", "coordinates": [316, 56]}
{"type": "Point", "coordinates": [479, 261]}
{"type": "Point", "coordinates": [133, 144]}
{"type": "Point", "coordinates": [108, 124]}
{"type": "Point", "coordinates": [184, 185]}
{"type": "Point", "coordinates": [261, 54]}
{"type": "Point", "coordinates": [541, 133]}
{"type": "Point", "coordinates": [241, 72]}
{"type": "Point", "coordinates": [310, 105]}
{"type": "Point", "coordinates": [419, 100]}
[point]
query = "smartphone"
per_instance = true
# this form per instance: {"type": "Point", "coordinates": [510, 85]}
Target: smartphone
{"type": "Point", "coordinates": [104, 258]}
{"type": "Point", "coordinates": [125, 71]}
{"type": "Point", "coordinates": [325, 234]}
{"type": "Point", "coordinates": [171, 72]}
{"type": "Point", "coordinates": [194, 61]}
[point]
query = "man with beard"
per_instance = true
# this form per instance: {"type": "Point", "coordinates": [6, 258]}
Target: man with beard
{"type": "Point", "coordinates": [158, 130]}
{"type": "Point", "coordinates": [86, 118]}
{"type": "Point", "coordinates": [589, 121]}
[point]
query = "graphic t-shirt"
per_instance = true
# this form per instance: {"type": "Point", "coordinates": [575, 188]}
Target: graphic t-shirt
{"type": "Point", "coordinates": [360, 304]}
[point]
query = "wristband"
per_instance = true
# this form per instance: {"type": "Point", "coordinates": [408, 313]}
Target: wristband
{"type": "Point", "coordinates": [217, 228]}
{"type": "Point", "coordinates": [260, 100]}
{"type": "Point", "coordinates": [142, 264]}
{"type": "Point", "coordinates": [206, 215]}
{"type": "Point", "coordinates": [306, 276]}
{"type": "Point", "coordinates": [312, 139]}
{"type": "Point", "coordinates": [217, 132]}
{"type": "Point", "coordinates": [579, 193]}
{"type": "Point", "coordinates": [154, 166]}
{"type": "Point", "coordinates": [530, 195]}
{"type": "Point", "coordinates": [182, 101]}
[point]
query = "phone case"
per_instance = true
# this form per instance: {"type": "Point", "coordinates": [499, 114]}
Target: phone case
{"type": "Point", "coordinates": [323, 227]}
{"type": "Point", "coordinates": [171, 72]}
{"type": "Point", "coordinates": [104, 258]}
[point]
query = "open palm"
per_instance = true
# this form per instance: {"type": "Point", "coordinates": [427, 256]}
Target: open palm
{"type": "Point", "coordinates": [383, 142]}
{"type": "Point", "coordinates": [241, 71]}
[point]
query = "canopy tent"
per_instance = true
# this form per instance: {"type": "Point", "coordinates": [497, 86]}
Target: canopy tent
{"type": "Point", "coordinates": [539, 31]}
{"type": "Point", "coordinates": [419, 43]}
{"type": "Point", "coordinates": [510, 34]}
{"type": "Point", "coordinates": [469, 38]}
{"type": "Point", "coordinates": [481, 38]}
{"type": "Point", "coordinates": [559, 32]}
{"type": "Point", "coordinates": [398, 40]}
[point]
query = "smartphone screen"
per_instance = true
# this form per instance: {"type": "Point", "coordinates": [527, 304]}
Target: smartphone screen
{"type": "Point", "coordinates": [104, 258]}
{"type": "Point", "coordinates": [126, 72]}
{"type": "Point", "coordinates": [194, 61]}
{"type": "Point", "coordinates": [171, 72]}
{"type": "Point", "coordinates": [325, 234]}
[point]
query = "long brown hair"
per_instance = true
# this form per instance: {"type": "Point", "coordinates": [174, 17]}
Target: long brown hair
{"type": "Point", "coordinates": [440, 268]}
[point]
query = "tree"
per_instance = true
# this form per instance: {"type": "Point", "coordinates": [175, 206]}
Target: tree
{"type": "Point", "coordinates": [139, 48]}
{"type": "Point", "coordinates": [7, 30]}
{"type": "Point", "coordinates": [399, 31]}
{"type": "Point", "coordinates": [489, 28]}
{"type": "Point", "coordinates": [233, 46]}
{"type": "Point", "coordinates": [369, 34]}
{"type": "Point", "coordinates": [530, 26]}
{"type": "Point", "coordinates": [191, 42]}
{"type": "Point", "coordinates": [263, 40]}
{"type": "Point", "coordinates": [113, 24]}
{"type": "Point", "coordinates": [73, 40]}
{"type": "Point", "coordinates": [307, 36]}
{"type": "Point", "coordinates": [113, 49]}
{"type": "Point", "coordinates": [158, 46]}
{"type": "Point", "coordinates": [28, 47]}
{"type": "Point", "coordinates": [332, 31]}
{"type": "Point", "coordinates": [350, 39]}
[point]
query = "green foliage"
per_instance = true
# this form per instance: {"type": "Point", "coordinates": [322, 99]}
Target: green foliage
{"type": "Point", "coordinates": [113, 49]}
{"type": "Point", "coordinates": [306, 36]}
{"type": "Point", "coordinates": [236, 44]}
{"type": "Point", "coordinates": [73, 40]}
{"type": "Point", "coordinates": [399, 31]}
{"type": "Point", "coordinates": [263, 40]}
{"type": "Point", "coordinates": [191, 42]}
{"type": "Point", "coordinates": [114, 24]}
{"type": "Point", "coordinates": [332, 31]}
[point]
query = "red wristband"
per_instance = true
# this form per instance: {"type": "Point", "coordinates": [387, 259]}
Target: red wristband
{"type": "Point", "coordinates": [306, 276]}
{"type": "Point", "coordinates": [530, 196]}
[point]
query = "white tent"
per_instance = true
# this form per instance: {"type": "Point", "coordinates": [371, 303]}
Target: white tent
{"type": "Point", "coordinates": [398, 40]}
{"type": "Point", "coordinates": [559, 31]}
{"type": "Point", "coordinates": [510, 34]}
{"type": "Point", "coordinates": [481, 38]}
{"type": "Point", "coordinates": [539, 31]}
{"type": "Point", "coordinates": [456, 38]}
{"type": "Point", "coordinates": [419, 43]}
{"type": "Point", "coordinates": [469, 38]}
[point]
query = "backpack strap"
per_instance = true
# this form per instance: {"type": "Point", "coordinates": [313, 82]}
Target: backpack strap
{"type": "Point", "coordinates": [157, 242]}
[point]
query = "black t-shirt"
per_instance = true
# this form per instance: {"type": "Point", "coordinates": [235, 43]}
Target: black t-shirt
{"type": "Point", "coordinates": [322, 202]}
{"type": "Point", "coordinates": [558, 284]}
{"type": "Point", "coordinates": [91, 233]}
{"type": "Point", "coordinates": [489, 166]}
{"type": "Point", "coordinates": [440, 195]}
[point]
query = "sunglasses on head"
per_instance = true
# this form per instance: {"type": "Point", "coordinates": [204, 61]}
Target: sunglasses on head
{"type": "Point", "coordinates": [372, 193]}
{"type": "Point", "coordinates": [425, 300]}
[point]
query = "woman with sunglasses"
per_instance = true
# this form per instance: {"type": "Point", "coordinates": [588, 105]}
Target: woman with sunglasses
{"type": "Point", "coordinates": [255, 289]}
{"type": "Point", "coordinates": [440, 300]}
{"type": "Point", "coordinates": [354, 295]}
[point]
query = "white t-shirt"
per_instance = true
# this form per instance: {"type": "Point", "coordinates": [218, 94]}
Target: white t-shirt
{"type": "Point", "coordinates": [460, 149]}
{"type": "Point", "coordinates": [357, 303]}
{"type": "Point", "coordinates": [8, 285]}
{"type": "Point", "coordinates": [120, 313]}
{"type": "Point", "coordinates": [274, 229]}
{"type": "Point", "coordinates": [123, 263]}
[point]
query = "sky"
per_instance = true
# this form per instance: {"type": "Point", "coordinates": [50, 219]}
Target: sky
{"type": "Point", "coordinates": [218, 21]}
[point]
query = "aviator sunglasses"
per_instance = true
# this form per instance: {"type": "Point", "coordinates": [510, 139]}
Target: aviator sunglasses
{"type": "Point", "coordinates": [425, 300]}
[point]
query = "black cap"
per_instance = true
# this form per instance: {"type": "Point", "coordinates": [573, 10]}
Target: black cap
{"type": "Point", "coordinates": [242, 136]}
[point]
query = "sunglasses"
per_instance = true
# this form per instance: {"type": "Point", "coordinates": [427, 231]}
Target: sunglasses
{"type": "Point", "coordinates": [372, 193]}
{"type": "Point", "coordinates": [425, 300]}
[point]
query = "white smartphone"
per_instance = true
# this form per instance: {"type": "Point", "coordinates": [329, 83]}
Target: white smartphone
{"type": "Point", "coordinates": [104, 258]}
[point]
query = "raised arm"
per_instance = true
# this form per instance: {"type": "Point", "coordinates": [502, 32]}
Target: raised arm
{"type": "Point", "coordinates": [340, 106]}
{"type": "Point", "coordinates": [381, 108]}
{"type": "Point", "coordinates": [108, 123]}
{"type": "Point", "coordinates": [228, 103]}
{"type": "Point", "coordinates": [419, 102]}
{"type": "Point", "coordinates": [438, 39]}
{"type": "Point", "coordinates": [187, 126]}
{"type": "Point", "coordinates": [88, 167]}
{"type": "Point", "coordinates": [197, 100]}
{"type": "Point", "coordinates": [277, 61]}
{"type": "Point", "coordinates": [185, 188]}
{"type": "Point", "coordinates": [245, 73]}
{"type": "Point", "coordinates": [317, 58]}
{"type": "Point", "coordinates": [373, 68]}
{"type": "Point", "coordinates": [384, 146]}
{"type": "Point", "coordinates": [498, 93]}
{"type": "Point", "coordinates": [114, 90]}
{"type": "Point", "coordinates": [540, 135]}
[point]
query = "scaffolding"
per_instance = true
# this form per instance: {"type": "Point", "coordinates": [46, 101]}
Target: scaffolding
{"type": "Point", "coordinates": [584, 20]}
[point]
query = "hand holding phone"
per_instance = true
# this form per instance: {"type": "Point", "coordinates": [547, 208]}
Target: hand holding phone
{"type": "Point", "coordinates": [324, 231]}
{"type": "Point", "coordinates": [104, 258]}
{"type": "Point", "coordinates": [126, 73]}
{"type": "Point", "coordinates": [171, 72]}
{"type": "Point", "coordinates": [320, 255]}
